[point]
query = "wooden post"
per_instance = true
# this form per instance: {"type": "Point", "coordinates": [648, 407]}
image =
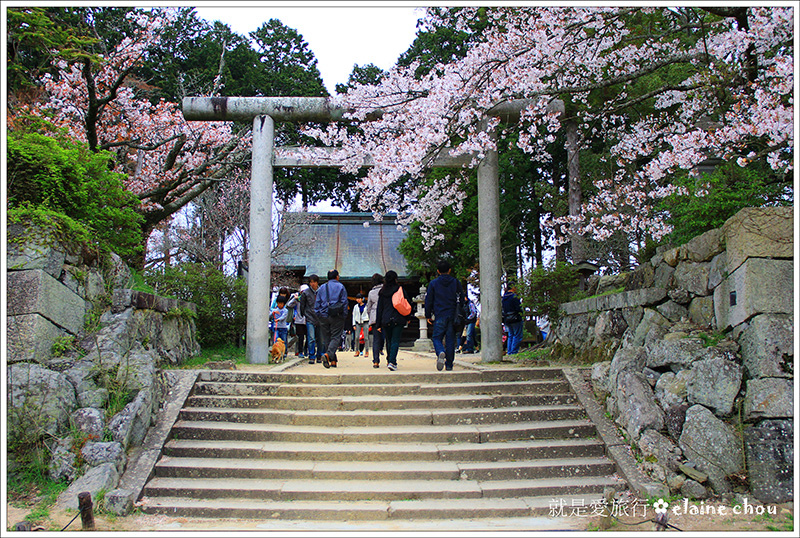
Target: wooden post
{"type": "Point", "coordinates": [85, 507]}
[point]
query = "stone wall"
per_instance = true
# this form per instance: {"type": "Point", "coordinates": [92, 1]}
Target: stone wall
{"type": "Point", "coordinates": [94, 400]}
{"type": "Point", "coordinates": [694, 359]}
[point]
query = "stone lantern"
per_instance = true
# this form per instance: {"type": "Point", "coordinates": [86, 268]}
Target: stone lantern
{"type": "Point", "coordinates": [423, 343]}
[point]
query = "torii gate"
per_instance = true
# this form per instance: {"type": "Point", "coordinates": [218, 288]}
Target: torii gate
{"type": "Point", "coordinates": [264, 112]}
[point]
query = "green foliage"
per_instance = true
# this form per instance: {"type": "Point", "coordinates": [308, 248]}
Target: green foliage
{"type": "Point", "coordinates": [728, 189]}
{"type": "Point", "coordinates": [544, 288]}
{"type": "Point", "coordinates": [57, 174]}
{"type": "Point", "coordinates": [221, 299]}
{"type": "Point", "coordinates": [218, 353]}
{"type": "Point", "coordinates": [62, 344]}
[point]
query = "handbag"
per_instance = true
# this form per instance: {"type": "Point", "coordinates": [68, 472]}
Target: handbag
{"type": "Point", "coordinates": [400, 302]}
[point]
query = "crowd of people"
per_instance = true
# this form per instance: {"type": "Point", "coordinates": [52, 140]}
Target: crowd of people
{"type": "Point", "coordinates": [319, 322]}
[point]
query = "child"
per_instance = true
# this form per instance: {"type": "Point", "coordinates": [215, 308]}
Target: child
{"type": "Point", "coordinates": [280, 314]}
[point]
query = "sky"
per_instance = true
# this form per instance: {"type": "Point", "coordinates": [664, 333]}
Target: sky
{"type": "Point", "coordinates": [340, 36]}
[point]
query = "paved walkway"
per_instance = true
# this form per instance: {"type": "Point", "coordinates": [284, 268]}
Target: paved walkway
{"type": "Point", "coordinates": [407, 361]}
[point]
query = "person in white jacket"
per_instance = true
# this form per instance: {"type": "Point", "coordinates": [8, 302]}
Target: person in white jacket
{"type": "Point", "coordinates": [361, 323]}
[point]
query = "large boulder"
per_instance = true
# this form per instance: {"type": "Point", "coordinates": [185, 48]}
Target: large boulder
{"type": "Point", "coordinates": [768, 346]}
{"type": "Point", "coordinates": [636, 405]}
{"type": "Point", "coordinates": [625, 358]}
{"type": "Point", "coordinates": [714, 383]}
{"type": "Point", "coordinates": [712, 446]}
{"type": "Point", "coordinates": [103, 478]}
{"type": "Point", "coordinates": [600, 383]}
{"type": "Point", "coordinates": [98, 453]}
{"type": "Point", "coordinates": [39, 398]}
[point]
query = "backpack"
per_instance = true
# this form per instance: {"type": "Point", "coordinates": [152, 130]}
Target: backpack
{"type": "Point", "coordinates": [400, 302]}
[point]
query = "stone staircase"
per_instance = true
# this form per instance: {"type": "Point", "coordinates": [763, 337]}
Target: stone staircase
{"type": "Point", "coordinates": [500, 443]}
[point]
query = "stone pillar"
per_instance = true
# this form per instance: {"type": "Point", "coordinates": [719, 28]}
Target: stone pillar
{"type": "Point", "coordinates": [423, 344]}
{"type": "Point", "coordinates": [260, 267]}
{"type": "Point", "coordinates": [489, 255]}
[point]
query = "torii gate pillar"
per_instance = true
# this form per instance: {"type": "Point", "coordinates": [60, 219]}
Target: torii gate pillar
{"type": "Point", "coordinates": [260, 264]}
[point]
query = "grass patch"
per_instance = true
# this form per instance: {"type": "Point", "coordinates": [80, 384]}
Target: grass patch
{"type": "Point", "coordinates": [35, 490]}
{"type": "Point", "coordinates": [227, 352]}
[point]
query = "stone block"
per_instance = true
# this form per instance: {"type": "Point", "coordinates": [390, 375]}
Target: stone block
{"type": "Point", "coordinates": [767, 345]}
{"type": "Point", "coordinates": [672, 311]}
{"type": "Point", "coordinates": [769, 397]}
{"type": "Point", "coordinates": [718, 270]}
{"type": "Point", "coordinates": [701, 311]}
{"type": "Point", "coordinates": [769, 449]}
{"type": "Point", "coordinates": [30, 252]}
{"type": "Point", "coordinates": [761, 286]}
{"type": "Point", "coordinates": [705, 246]}
{"type": "Point", "coordinates": [37, 292]}
{"type": "Point", "coordinates": [692, 277]}
{"type": "Point", "coordinates": [714, 383]}
{"type": "Point", "coordinates": [763, 232]}
{"type": "Point", "coordinates": [30, 338]}
{"type": "Point", "coordinates": [670, 388]}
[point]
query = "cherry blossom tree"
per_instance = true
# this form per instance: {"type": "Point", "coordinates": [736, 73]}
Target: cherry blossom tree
{"type": "Point", "coordinates": [665, 88]}
{"type": "Point", "coordinates": [168, 161]}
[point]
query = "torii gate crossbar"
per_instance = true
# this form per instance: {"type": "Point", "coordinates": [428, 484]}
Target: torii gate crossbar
{"type": "Point", "coordinates": [264, 112]}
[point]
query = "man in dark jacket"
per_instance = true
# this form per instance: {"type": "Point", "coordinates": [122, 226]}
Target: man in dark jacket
{"type": "Point", "coordinates": [512, 317]}
{"type": "Point", "coordinates": [440, 310]}
{"type": "Point", "coordinates": [331, 310]}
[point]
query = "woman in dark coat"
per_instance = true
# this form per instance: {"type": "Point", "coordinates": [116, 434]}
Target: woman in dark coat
{"type": "Point", "coordinates": [388, 320]}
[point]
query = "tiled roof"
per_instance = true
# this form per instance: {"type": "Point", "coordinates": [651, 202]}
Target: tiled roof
{"type": "Point", "coordinates": [341, 241]}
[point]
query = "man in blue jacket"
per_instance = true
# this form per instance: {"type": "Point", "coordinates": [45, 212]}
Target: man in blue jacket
{"type": "Point", "coordinates": [440, 310]}
{"type": "Point", "coordinates": [330, 307]}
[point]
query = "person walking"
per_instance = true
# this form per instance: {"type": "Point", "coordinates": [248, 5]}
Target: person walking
{"type": "Point", "coordinates": [388, 320]}
{"type": "Point", "coordinates": [440, 309]}
{"type": "Point", "coordinates": [307, 300]}
{"type": "Point", "coordinates": [361, 326]}
{"type": "Point", "coordinates": [512, 318]}
{"type": "Point", "coordinates": [299, 321]}
{"type": "Point", "coordinates": [331, 310]}
{"type": "Point", "coordinates": [372, 309]}
{"type": "Point", "coordinates": [469, 341]}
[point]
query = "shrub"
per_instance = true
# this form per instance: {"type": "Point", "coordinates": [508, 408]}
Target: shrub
{"type": "Point", "coordinates": [221, 299]}
{"type": "Point", "coordinates": [545, 288]}
{"type": "Point", "coordinates": [55, 173]}
{"type": "Point", "coordinates": [716, 197]}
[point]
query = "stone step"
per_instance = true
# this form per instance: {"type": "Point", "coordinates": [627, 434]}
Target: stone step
{"type": "Point", "coordinates": [506, 451]}
{"type": "Point", "coordinates": [380, 471]}
{"type": "Point", "coordinates": [243, 388]}
{"type": "Point", "coordinates": [462, 433]}
{"type": "Point", "coordinates": [451, 509]}
{"type": "Point", "coordinates": [409, 417]}
{"type": "Point", "coordinates": [364, 490]}
{"type": "Point", "coordinates": [399, 377]}
{"type": "Point", "coordinates": [375, 403]}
